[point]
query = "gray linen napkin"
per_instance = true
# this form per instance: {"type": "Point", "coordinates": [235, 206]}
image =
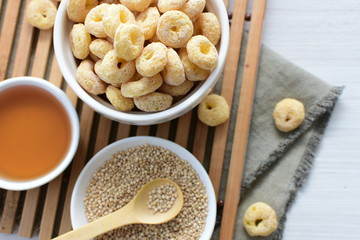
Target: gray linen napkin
{"type": "Point", "coordinates": [277, 163]}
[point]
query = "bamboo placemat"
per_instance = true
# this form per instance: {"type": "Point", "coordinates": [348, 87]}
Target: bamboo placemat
{"type": "Point", "coordinates": [45, 211]}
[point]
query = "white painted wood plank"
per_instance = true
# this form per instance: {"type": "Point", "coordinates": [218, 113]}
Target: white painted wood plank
{"type": "Point", "coordinates": [323, 37]}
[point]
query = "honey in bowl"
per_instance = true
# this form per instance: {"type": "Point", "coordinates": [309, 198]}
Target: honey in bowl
{"type": "Point", "coordinates": [35, 132]}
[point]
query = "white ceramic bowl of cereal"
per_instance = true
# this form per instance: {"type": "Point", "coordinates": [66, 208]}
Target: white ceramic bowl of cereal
{"type": "Point", "coordinates": [78, 215]}
{"type": "Point", "coordinates": [68, 68]}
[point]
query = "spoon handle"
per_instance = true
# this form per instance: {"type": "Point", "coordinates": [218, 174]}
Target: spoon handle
{"type": "Point", "coordinates": [104, 224]}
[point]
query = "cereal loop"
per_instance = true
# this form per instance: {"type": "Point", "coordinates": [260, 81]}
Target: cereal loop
{"type": "Point", "coordinates": [109, 1]}
{"type": "Point", "coordinates": [141, 87]}
{"type": "Point", "coordinates": [202, 52]}
{"type": "Point", "coordinates": [209, 26]}
{"type": "Point", "coordinates": [192, 72]}
{"type": "Point", "coordinates": [100, 47]}
{"type": "Point", "coordinates": [166, 5]}
{"type": "Point", "coordinates": [78, 9]}
{"type": "Point", "coordinates": [213, 110]}
{"type": "Point", "coordinates": [152, 60]}
{"type": "Point", "coordinates": [118, 100]}
{"type": "Point", "coordinates": [153, 102]}
{"type": "Point", "coordinates": [175, 91]}
{"type": "Point", "coordinates": [80, 41]}
{"type": "Point", "coordinates": [260, 220]}
{"type": "Point", "coordinates": [41, 14]}
{"type": "Point", "coordinates": [115, 70]}
{"type": "Point", "coordinates": [147, 20]}
{"type": "Point", "coordinates": [93, 21]}
{"type": "Point", "coordinates": [136, 5]}
{"type": "Point", "coordinates": [193, 7]}
{"type": "Point", "coordinates": [129, 41]}
{"type": "Point", "coordinates": [173, 72]}
{"type": "Point", "coordinates": [88, 79]}
{"type": "Point", "coordinates": [174, 29]}
{"type": "Point", "coordinates": [288, 114]}
{"type": "Point", "coordinates": [115, 15]}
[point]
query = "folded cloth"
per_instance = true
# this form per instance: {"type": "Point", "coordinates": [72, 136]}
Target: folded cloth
{"type": "Point", "coordinates": [277, 164]}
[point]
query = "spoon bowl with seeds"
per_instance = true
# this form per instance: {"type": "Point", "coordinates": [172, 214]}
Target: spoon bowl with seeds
{"type": "Point", "coordinates": [157, 202]}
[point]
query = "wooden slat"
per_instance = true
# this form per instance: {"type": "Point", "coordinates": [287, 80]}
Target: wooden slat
{"type": "Point", "coordinates": [42, 54]}
{"type": "Point", "coordinates": [102, 137]}
{"type": "Point", "coordinates": [86, 120]}
{"type": "Point", "coordinates": [50, 207]}
{"type": "Point", "coordinates": [20, 63]}
{"type": "Point", "coordinates": [199, 148]}
{"type": "Point", "coordinates": [32, 196]}
{"type": "Point", "coordinates": [9, 212]}
{"type": "Point", "coordinates": [123, 131]}
{"type": "Point", "coordinates": [23, 49]}
{"type": "Point", "coordinates": [29, 212]}
{"type": "Point", "coordinates": [182, 133]}
{"type": "Point", "coordinates": [143, 130]}
{"type": "Point", "coordinates": [163, 129]}
{"type": "Point", "coordinates": [7, 34]}
{"type": "Point", "coordinates": [55, 76]}
{"type": "Point", "coordinates": [71, 95]}
{"type": "Point", "coordinates": [243, 120]}
{"type": "Point", "coordinates": [227, 91]}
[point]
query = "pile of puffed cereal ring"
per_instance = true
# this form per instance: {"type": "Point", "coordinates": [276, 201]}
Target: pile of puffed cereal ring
{"type": "Point", "coordinates": [142, 53]}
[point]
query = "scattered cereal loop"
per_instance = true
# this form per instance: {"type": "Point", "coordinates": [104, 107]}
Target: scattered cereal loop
{"type": "Point", "coordinates": [213, 110]}
{"type": "Point", "coordinates": [288, 114]}
{"type": "Point", "coordinates": [260, 220]}
{"type": "Point", "coordinates": [41, 14]}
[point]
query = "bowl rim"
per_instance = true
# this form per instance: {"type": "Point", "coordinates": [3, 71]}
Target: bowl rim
{"type": "Point", "coordinates": [107, 152]}
{"type": "Point", "coordinates": [142, 118]}
{"type": "Point", "coordinates": [75, 131]}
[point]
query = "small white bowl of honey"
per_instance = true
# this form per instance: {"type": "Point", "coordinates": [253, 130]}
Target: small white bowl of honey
{"type": "Point", "coordinates": [39, 132]}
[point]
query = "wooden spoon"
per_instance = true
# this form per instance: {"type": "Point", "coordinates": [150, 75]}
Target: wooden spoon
{"type": "Point", "coordinates": [136, 211]}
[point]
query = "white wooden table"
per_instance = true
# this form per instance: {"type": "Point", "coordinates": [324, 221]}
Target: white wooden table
{"type": "Point", "coordinates": [323, 37]}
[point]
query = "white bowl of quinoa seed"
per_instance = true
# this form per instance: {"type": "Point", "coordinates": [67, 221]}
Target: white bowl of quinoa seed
{"type": "Point", "coordinates": [116, 173]}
